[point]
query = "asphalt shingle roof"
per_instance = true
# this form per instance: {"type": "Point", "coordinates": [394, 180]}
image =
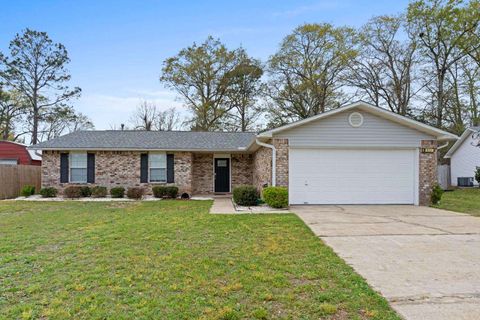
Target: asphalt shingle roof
{"type": "Point", "coordinates": [151, 140]}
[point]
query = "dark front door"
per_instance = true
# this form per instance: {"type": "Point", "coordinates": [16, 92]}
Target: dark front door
{"type": "Point", "coordinates": [222, 175]}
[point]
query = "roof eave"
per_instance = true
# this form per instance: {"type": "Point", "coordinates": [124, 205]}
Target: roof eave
{"type": "Point", "coordinates": [246, 149]}
{"type": "Point", "coordinates": [459, 142]}
{"type": "Point", "coordinates": [438, 133]}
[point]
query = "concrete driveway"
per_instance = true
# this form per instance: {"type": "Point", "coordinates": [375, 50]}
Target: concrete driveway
{"type": "Point", "coordinates": [425, 261]}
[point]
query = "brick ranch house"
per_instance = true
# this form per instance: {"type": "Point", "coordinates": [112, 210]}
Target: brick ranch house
{"type": "Point", "coordinates": [356, 154]}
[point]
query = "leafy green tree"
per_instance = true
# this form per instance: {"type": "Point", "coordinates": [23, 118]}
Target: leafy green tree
{"type": "Point", "coordinates": [36, 69]}
{"type": "Point", "coordinates": [471, 45]}
{"type": "Point", "coordinates": [243, 93]}
{"type": "Point", "coordinates": [443, 28]}
{"type": "Point", "coordinates": [385, 70]}
{"type": "Point", "coordinates": [11, 111]}
{"type": "Point", "coordinates": [306, 74]}
{"type": "Point", "coordinates": [200, 75]}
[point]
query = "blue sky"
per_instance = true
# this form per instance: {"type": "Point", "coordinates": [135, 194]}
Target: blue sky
{"type": "Point", "coordinates": [117, 47]}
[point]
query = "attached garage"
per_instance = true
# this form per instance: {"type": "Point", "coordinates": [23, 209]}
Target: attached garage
{"type": "Point", "coordinates": [357, 154]}
{"type": "Point", "coordinates": [353, 176]}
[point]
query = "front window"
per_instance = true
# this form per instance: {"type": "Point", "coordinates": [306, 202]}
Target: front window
{"type": "Point", "coordinates": [78, 167]}
{"type": "Point", "coordinates": [158, 167]}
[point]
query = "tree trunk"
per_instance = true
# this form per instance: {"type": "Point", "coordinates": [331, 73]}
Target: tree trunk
{"type": "Point", "coordinates": [440, 104]}
{"type": "Point", "coordinates": [35, 119]}
{"type": "Point", "coordinates": [6, 131]}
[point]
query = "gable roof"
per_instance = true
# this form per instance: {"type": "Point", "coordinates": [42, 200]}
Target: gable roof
{"type": "Point", "coordinates": [460, 141]}
{"type": "Point", "coordinates": [439, 134]}
{"type": "Point", "coordinates": [150, 140]}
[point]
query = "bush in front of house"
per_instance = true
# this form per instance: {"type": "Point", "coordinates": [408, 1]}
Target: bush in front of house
{"type": "Point", "coordinates": [477, 175]}
{"type": "Point", "coordinates": [85, 191]}
{"type": "Point", "coordinates": [99, 192]}
{"type": "Point", "coordinates": [49, 192]}
{"type": "Point", "coordinates": [165, 192]}
{"type": "Point", "coordinates": [159, 191]}
{"type": "Point", "coordinates": [135, 193]}
{"type": "Point", "coordinates": [117, 192]}
{"type": "Point", "coordinates": [437, 193]}
{"type": "Point", "coordinates": [72, 192]}
{"type": "Point", "coordinates": [27, 191]}
{"type": "Point", "coordinates": [276, 197]}
{"type": "Point", "coordinates": [245, 195]}
{"type": "Point", "coordinates": [172, 192]}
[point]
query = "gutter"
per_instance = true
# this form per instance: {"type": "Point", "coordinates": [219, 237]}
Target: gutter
{"type": "Point", "coordinates": [274, 159]}
{"type": "Point", "coordinates": [443, 146]}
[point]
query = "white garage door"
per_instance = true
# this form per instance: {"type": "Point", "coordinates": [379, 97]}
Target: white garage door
{"type": "Point", "coordinates": [329, 176]}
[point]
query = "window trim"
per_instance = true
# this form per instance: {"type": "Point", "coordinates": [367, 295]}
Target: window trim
{"type": "Point", "coordinates": [70, 167]}
{"type": "Point", "coordinates": [164, 154]}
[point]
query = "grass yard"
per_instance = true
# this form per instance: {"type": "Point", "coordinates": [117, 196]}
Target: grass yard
{"type": "Point", "coordinates": [462, 200]}
{"type": "Point", "coordinates": [170, 260]}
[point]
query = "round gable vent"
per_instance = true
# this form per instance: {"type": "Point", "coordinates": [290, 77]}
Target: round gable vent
{"type": "Point", "coordinates": [355, 119]}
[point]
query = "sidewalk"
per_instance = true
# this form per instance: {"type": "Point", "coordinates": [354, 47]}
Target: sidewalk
{"type": "Point", "coordinates": [222, 205]}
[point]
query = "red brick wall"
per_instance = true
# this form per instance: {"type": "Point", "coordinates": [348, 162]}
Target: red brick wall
{"type": "Point", "coordinates": [242, 169]}
{"type": "Point", "coordinates": [262, 168]}
{"type": "Point", "coordinates": [202, 181]}
{"type": "Point", "coordinates": [282, 161]}
{"type": "Point", "coordinates": [118, 168]}
{"type": "Point", "coordinates": [427, 172]}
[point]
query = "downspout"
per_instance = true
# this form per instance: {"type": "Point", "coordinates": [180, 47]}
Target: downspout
{"type": "Point", "coordinates": [274, 159]}
{"type": "Point", "coordinates": [441, 147]}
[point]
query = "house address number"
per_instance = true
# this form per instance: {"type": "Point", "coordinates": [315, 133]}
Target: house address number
{"type": "Point", "coordinates": [428, 150]}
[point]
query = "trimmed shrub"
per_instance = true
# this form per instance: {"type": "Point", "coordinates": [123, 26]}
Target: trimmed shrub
{"type": "Point", "coordinates": [117, 192]}
{"type": "Point", "coordinates": [185, 196]}
{"type": "Point", "coordinates": [49, 192]}
{"type": "Point", "coordinates": [135, 193]}
{"type": "Point", "coordinates": [27, 191]}
{"type": "Point", "coordinates": [72, 192]}
{"type": "Point", "coordinates": [159, 191]}
{"type": "Point", "coordinates": [477, 175]}
{"type": "Point", "coordinates": [99, 192]}
{"type": "Point", "coordinates": [85, 191]}
{"type": "Point", "coordinates": [437, 193]}
{"type": "Point", "coordinates": [165, 192]}
{"type": "Point", "coordinates": [172, 192]}
{"type": "Point", "coordinates": [276, 197]}
{"type": "Point", "coordinates": [245, 195]}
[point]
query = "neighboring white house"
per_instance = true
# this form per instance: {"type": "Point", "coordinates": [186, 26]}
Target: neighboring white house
{"type": "Point", "coordinates": [464, 157]}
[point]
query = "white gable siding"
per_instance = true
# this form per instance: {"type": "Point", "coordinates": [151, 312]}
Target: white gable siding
{"type": "Point", "coordinates": [464, 161]}
{"type": "Point", "coordinates": [335, 131]}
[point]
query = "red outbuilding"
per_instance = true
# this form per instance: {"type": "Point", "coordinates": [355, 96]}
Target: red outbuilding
{"type": "Point", "coordinates": [14, 153]}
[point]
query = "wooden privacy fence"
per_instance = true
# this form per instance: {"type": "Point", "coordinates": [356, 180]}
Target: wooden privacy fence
{"type": "Point", "coordinates": [13, 178]}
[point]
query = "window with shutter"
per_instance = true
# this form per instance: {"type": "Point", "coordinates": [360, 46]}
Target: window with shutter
{"type": "Point", "coordinates": [157, 165]}
{"type": "Point", "coordinates": [78, 167]}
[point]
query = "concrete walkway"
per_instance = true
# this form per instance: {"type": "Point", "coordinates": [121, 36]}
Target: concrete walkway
{"type": "Point", "coordinates": [425, 261]}
{"type": "Point", "coordinates": [222, 205]}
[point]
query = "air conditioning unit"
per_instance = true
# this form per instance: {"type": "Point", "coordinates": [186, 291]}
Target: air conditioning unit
{"type": "Point", "coordinates": [465, 181]}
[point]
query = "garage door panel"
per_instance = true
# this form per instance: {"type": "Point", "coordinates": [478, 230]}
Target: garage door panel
{"type": "Point", "coordinates": [327, 176]}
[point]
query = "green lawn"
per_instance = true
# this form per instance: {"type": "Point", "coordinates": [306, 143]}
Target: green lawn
{"type": "Point", "coordinates": [170, 260]}
{"type": "Point", "coordinates": [462, 200]}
